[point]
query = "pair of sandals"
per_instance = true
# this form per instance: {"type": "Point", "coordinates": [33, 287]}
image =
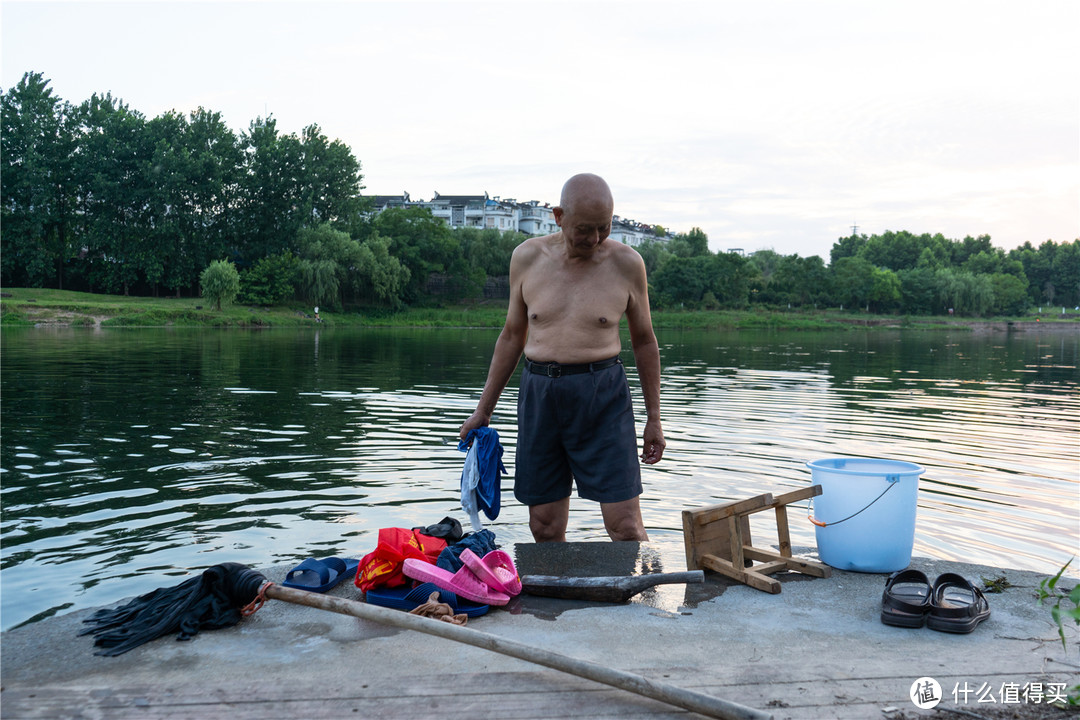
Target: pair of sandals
{"type": "Point", "coordinates": [951, 604]}
{"type": "Point", "coordinates": [490, 580]}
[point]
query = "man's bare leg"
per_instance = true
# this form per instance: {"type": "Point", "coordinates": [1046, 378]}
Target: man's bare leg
{"type": "Point", "coordinates": [548, 521]}
{"type": "Point", "coordinates": [623, 520]}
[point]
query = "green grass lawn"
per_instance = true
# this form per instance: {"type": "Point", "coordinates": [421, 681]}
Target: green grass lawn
{"type": "Point", "coordinates": [32, 306]}
{"type": "Point", "coordinates": [37, 306]}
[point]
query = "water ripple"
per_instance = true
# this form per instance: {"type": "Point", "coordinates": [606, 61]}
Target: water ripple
{"type": "Point", "coordinates": [267, 452]}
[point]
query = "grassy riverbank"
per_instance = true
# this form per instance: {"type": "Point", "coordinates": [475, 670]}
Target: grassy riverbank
{"type": "Point", "coordinates": [44, 307]}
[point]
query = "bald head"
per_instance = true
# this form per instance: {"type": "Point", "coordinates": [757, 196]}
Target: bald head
{"type": "Point", "coordinates": [586, 191]}
{"type": "Point", "coordinates": [584, 213]}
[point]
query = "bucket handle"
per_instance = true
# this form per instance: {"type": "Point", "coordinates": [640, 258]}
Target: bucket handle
{"type": "Point", "coordinates": [893, 479]}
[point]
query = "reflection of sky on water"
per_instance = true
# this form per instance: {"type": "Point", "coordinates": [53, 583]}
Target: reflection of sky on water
{"type": "Point", "coordinates": [132, 458]}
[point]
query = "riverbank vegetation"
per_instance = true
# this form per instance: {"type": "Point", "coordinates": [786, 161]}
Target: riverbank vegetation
{"type": "Point", "coordinates": [99, 199]}
{"type": "Point", "coordinates": [44, 307]}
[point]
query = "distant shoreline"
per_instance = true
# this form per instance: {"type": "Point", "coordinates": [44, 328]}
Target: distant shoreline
{"type": "Point", "coordinates": [36, 307]}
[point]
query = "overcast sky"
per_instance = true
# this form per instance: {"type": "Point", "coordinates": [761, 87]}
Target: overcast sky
{"type": "Point", "coordinates": [766, 124]}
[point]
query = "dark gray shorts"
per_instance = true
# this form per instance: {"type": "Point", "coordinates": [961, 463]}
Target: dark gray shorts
{"type": "Point", "coordinates": [576, 428]}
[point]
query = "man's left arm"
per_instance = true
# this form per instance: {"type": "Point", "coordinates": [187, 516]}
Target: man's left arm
{"type": "Point", "coordinates": [647, 358]}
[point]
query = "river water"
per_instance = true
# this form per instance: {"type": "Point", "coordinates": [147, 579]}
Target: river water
{"type": "Point", "coordinates": [130, 459]}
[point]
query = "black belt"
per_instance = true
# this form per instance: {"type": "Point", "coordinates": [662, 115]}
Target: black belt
{"type": "Point", "coordinates": [554, 369]}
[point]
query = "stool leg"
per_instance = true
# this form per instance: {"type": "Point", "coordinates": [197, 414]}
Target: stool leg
{"type": "Point", "coordinates": [735, 541]}
{"type": "Point", "coordinates": [782, 530]}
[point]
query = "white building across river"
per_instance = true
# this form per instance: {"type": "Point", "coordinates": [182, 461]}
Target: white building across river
{"type": "Point", "coordinates": [487, 212]}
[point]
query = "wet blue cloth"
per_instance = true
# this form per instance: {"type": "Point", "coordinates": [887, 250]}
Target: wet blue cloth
{"type": "Point", "coordinates": [481, 479]}
{"type": "Point", "coordinates": [480, 543]}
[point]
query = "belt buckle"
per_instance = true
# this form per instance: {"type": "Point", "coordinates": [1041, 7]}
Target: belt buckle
{"type": "Point", "coordinates": [554, 370]}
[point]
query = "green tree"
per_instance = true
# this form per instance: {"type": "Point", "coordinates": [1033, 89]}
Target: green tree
{"type": "Point", "coordinates": [328, 258]}
{"type": "Point", "coordinates": [213, 191]}
{"type": "Point", "coordinates": [729, 278]}
{"type": "Point", "coordinates": [381, 276]}
{"type": "Point", "coordinates": [1065, 269]}
{"type": "Point", "coordinates": [894, 250]}
{"type": "Point", "coordinates": [884, 290]}
{"type": "Point", "coordinates": [853, 280]}
{"type": "Point", "coordinates": [985, 262]}
{"type": "Point", "coordinates": [329, 185]}
{"type": "Point", "coordinates": [692, 244]}
{"type": "Point", "coordinates": [1037, 264]}
{"type": "Point", "coordinates": [918, 291]}
{"type": "Point", "coordinates": [961, 251]}
{"type": "Point", "coordinates": [36, 189]}
{"type": "Point", "coordinates": [166, 176]}
{"type": "Point", "coordinates": [788, 279]}
{"type": "Point", "coordinates": [721, 280]}
{"type": "Point", "coordinates": [98, 195]}
{"type": "Point", "coordinates": [271, 281]}
{"type": "Point", "coordinates": [801, 281]}
{"type": "Point", "coordinates": [814, 282]}
{"type": "Point", "coordinates": [114, 154]}
{"type": "Point", "coordinates": [319, 282]}
{"type": "Point", "coordinates": [422, 243]}
{"type": "Point", "coordinates": [192, 177]}
{"type": "Point", "coordinates": [697, 240]}
{"type": "Point", "coordinates": [462, 279]}
{"type": "Point", "coordinates": [489, 249]}
{"type": "Point", "coordinates": [950, 289]}
{"type": "Point", "coordinates": [935, 254]}
{"type": "Point", "coordinates": [846, 247]}
{"type": "Point", "coordinates": [681, 281]}
{"type": "Point", "coordinates": [980, 301]}
{"type": "Point", "coordinates": [771, 280]}
{"type": "Point", "coordinates": [1010, 294]}
{"type": "Point", "coordinates": [268, 214]}
{"type": "Point", "coordinates": [964, 292]}
{"type": "Point", "coordinates": [220, 283]}
{"type": "Point", "coordinates": [654, 254]}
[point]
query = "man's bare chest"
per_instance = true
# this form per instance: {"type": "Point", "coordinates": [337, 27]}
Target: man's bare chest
{"type": "Point", "coordinates": [581, 298]}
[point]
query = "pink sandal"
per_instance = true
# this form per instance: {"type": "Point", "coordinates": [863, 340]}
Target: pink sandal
{"type": "Point", "coordinates": [496, 570]}
{"type": "Point", "coordinates": [462, 583]}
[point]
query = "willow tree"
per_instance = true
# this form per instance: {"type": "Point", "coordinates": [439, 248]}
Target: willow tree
{"type": "Point", "coordinates": [220, 283]}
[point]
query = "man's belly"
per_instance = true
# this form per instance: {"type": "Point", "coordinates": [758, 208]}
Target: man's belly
{"type": "Point", "coordinates": [572, 345]}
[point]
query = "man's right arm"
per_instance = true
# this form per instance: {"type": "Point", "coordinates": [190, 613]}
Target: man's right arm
{"type": "Point", "coordinates": [508, 349]}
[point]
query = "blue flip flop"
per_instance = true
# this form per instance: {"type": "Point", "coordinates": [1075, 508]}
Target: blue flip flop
{"type": "Point", "coordinates": [404, 598]}
{"type": "Point", "coordinates": [320, 575]}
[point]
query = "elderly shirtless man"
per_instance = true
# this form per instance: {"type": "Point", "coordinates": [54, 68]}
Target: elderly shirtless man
{"type": "Point", "coordinates": [568, 292]}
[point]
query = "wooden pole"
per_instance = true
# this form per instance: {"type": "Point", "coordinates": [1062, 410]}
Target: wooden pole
{"type": "Point", "coordinates": [687, 699]}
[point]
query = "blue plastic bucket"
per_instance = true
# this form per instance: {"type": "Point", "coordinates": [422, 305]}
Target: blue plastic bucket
{"type": "Point", "coordinates": [865, 515]}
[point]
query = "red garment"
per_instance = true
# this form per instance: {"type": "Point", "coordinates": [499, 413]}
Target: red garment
{"type": "Point", "coordinates": [383, 566]}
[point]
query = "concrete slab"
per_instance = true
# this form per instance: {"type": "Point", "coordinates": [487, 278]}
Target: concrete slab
{"type": "Point", "coordinates": [816, 650]}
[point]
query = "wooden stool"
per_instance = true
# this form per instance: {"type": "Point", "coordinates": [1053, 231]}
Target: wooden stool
{"type": "Point", "coordinates": [718, 538]}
